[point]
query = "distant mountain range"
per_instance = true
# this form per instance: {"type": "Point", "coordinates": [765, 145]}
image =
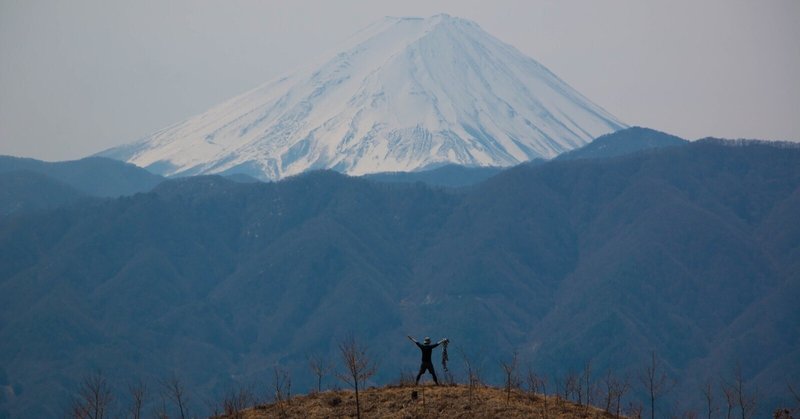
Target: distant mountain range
{"type": "Point", "coordinates": [689, 251]}
{"type": "Point", "coordinates": [28, 184]}
{"type": "Point", "coordinates": [401, 95]}
{"type": "Point", "coordinates": [623, 142]}
{"type": "Point", "coordinates": [94, 176]}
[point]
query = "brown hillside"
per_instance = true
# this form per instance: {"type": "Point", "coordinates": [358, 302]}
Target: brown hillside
{"type": "Point", "coordinates": [431, 402]}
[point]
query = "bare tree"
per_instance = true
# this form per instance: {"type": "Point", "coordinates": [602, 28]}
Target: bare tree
{"type": "Point", "coordinates": [359, 367]}
{"type": "Point", "coordinates": [510, 370]}
{"type": "Point", "coordinates": [615, 390]}
{"type": "Point", "coordinates": [655, 382]}
{"type": "Point", "coordinates": [587, 385]}
{"type": "Point", "coordinates": [746, 401]}
{"type": "Point", "coordinates": [730, 398]}
{"type": "Point", "coordinates": [237, 401]}
{"type": "Point", "coordinates": [543, 385]}
{"type": "Point", "coordinates": [94, 398]}
{"type": "Point", "coordinates": [282, 385]}
{"type": "Point", "coordinates": [176, 392]}
{"type": "Point", "coordinates": [622, 387]}
{"type": "Point", "coordinates": [571, 383]}
{"type": "Point", "coordinates": [532, 381]}
{"type": "Point", "coordinates": [473, 374]}
{"type": "Point", "coordinates": [320, 367]}
{"type": "Point", "coordinates": [535, 384]}
{"type": "Point", "coordinates": [634, 410]}
{"type": "Point", "coordinates": [138, 391]}
{"type": "Point", "coordinates": [708, 394]}
{"type": "Point", "coordinates": [558, 389]}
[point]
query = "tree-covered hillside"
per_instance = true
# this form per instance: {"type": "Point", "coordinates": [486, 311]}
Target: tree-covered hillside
{"type": "Point", "coordinates": [691, 252]}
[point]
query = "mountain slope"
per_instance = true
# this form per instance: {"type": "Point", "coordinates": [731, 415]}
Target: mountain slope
{"type": "Point", "coordinates": [22, 190]}
{"type": "Point", "coordinates": [403, 94]}
{"type": "Point", "coordinates": [451, 176]}
{"type": "Point", "coordinates": [625, 141]}
{"type": "Point", "coordinates": [94, 176]}
{"type": "Point", "coordinates": [689, 251]}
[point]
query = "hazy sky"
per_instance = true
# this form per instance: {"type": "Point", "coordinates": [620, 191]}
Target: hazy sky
{"type": "Point", "coordinates": [80, 76]}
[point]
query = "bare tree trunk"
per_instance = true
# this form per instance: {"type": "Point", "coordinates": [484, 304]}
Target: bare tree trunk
{"type": "Point", "coordinates": [730, 398]}
{"type": "Point", "coordinates": [655, 382]}
{"type": "Point", "coordinates": [509, 368]}
{"type": "Point", "coordinates": [177, 393]}
{"type": "Point", "coordinates": [320, 367]}
{"type": "Point", "coordinates": [358, 365]}
{"type": "Point", "coordinates": [587, 384]}
{"type": "Point", "coordinates": [746, 402]}
{"type": "Point", "coordinates": [137, 392]}
{"type": "Point", "coordinates": [94, 398]}
{"type": "Point", "coordinates": [708, 393]}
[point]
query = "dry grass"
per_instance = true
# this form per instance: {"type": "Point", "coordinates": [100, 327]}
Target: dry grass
{"type": "Point", "coordinates": [431, 402]}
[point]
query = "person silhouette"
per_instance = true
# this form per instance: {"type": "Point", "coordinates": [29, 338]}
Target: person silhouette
{"type": "Point", "coordinates": [426, 347]}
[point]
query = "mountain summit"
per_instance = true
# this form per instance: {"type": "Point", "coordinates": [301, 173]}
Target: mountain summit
{"type": "Point", "coordinates": [403, 94]}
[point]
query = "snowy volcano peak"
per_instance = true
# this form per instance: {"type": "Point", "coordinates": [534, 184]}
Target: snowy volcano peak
{"type": "Point", "coordinates": [400, 95]}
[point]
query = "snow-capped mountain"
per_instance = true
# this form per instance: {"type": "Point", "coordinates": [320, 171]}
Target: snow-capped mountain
{"type": "Point", "coordinates": [403, 94]}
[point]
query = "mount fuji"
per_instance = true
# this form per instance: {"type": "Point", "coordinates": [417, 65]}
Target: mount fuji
{"type": "Point", "coordinates": [403, 94]}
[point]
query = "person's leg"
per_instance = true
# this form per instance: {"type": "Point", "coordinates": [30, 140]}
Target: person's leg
{"type": "Point", "coordinates": [421, 371]}
{"type": "Point", "coordinates": [433, 374]}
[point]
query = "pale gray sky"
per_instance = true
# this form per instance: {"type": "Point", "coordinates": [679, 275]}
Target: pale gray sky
{"type": "Point", "coordinates": [80, 76]}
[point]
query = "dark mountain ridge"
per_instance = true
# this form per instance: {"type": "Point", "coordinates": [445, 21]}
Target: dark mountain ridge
{"type": "Point", "coordinates": [94, 176]}
{"type": "Point", "coordinates": [622, 142]}
{"type": "Point", "coordinates": [451, 176]}
{"type": "Point", "coordinates": [687, 251]}
{"type": "Point", "coordinates": [23, 190]}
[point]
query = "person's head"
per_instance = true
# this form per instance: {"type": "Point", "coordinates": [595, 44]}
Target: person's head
{"type": "Point", "coordinates": [427, 340]}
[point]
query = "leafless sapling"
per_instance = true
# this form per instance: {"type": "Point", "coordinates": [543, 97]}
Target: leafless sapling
{"type": "Point", "coordinates": [282, 385]}
{"type": "Point", "coordinates": [587, 385]}
{"type": "Point", "coordinates": [708, 395]}
{"type": "Point", "coordinates": [537, 384]}
{"type": "Point", "coordinates": [571, 384]}
{"type": "Point", "coordinates": [473, 369]}
{"type": "Point", "coordinates": [320, 367]}
{"type": "Point", "coordinates": [510, 370]}
{"type": "Point", "coordinates": [745, 400]}
{"type": "Point", "coordinates": [634, 410]}
{"type": "Point", "coordinates": [615, 390]}
{"type": "Point", "coordinates": [94, 398]}
{"type": "Point", "coordinates": [655, 382]}
{"type": "Point", "coordinates": [622, 387]}
{"type": "Point", "coordinates": [176, 392]}
{"type": "Point", "coordinates": [358, 366]}
{"type": "Point", "coordinates": [138, 392]}
{"type": "Point", "coordinates": [730, 398]}
{"type": "Point", "coordinates": [237, 401]}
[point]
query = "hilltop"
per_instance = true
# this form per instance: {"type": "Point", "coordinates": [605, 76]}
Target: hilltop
{"type": "Point", "coordinates": [431, 401]}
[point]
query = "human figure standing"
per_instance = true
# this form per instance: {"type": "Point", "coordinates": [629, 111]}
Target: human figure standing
{"type": "Point", "coordinates": [427, 348]}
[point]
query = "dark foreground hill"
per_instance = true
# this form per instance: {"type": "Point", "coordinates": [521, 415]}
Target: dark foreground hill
{"type": "Point", "coordinates": [690, 252]}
